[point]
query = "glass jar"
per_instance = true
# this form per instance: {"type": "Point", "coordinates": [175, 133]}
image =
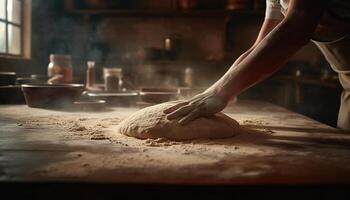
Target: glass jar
{"type": "Point", "coordinates": [188, 79]}
{"type": "Point", "coordinates": [113, 79]}
{"type": "Point", "coordinates": [90, 74]}
{"type": "Point", "coordinates": [61, 65]}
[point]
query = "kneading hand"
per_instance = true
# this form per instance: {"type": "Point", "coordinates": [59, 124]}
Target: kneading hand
{"type": "Point", "coordinates": [201, 105]}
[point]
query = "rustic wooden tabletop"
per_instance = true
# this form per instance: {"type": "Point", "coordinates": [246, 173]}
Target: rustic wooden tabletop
{"type": "Point", "coordinates": [276, 147]}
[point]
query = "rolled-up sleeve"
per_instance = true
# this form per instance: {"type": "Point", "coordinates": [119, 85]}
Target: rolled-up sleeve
{"type": "Point", "coordinates": [273, 10]}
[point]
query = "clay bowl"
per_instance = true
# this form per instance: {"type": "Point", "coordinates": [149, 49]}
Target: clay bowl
{"type": "Point", "coordinates": [158, 95]}
{"type": "Point", "coordinates": [51, 95]}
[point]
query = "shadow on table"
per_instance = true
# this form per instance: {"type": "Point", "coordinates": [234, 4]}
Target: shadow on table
{"type": "Point", "coordinates": [319, 138]}
{"type": "Point", "coordinates": [296, 129]}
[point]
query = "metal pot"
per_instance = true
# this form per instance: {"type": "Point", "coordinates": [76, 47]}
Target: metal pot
{"type": "Point", "coordinates": [158, 95]}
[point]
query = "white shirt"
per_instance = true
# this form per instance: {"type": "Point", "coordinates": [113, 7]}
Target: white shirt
{"type": "Point", "coordinates": [275, 9]}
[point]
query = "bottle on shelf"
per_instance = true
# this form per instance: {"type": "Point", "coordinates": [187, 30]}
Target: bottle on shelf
{"type": "Point", "coordinates": [90, 74]}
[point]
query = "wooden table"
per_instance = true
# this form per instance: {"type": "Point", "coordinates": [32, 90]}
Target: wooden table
{"type": "Point", "coordinates": [290, 149]}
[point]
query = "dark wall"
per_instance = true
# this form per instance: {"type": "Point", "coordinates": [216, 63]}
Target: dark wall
{"type": "Point", "coordinates": [110, 39]}
{"type": "Point", "coordinates": [50, 34]}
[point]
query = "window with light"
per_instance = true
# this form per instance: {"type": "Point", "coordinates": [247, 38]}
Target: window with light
{"type": "Point", "coordinates": [11, 27]}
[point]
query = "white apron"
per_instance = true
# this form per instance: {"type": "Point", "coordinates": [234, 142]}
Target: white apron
{"type": "Point", "coordinates": [337, 53]}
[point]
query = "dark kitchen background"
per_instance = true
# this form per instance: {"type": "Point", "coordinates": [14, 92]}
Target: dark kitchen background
{"type": "Point", "coordinates": [208, 35]}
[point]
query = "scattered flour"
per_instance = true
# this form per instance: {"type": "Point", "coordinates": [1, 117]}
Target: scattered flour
{"type": "Point", "coordinates": [149, 154]}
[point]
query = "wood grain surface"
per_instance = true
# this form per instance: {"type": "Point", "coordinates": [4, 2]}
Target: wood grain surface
{"type": "Point", "coordinates": [277, 147]}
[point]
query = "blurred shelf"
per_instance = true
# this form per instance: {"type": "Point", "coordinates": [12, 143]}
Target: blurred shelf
{"type": "Point", "coordinates": [316, 81]}
{"type": "Point", "coordinates": [182, 61]}
{"type": "Point", "coordinates": [166, 13]}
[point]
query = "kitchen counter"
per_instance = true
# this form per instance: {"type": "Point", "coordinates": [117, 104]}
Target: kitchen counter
{"type": "Point", "coordinates": [276, 147]}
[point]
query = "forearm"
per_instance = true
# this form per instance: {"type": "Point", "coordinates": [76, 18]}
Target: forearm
{"type": "Point", "coordinates": [242, 57]}
{"type": "Point", "coordinates": [267, 26]}
{"type": "Point", "coordinates": [272, 50]}
{"type": "Point", "coordinates": [271, 53]}
{"type": "Point", "coordinates": [237, 62]}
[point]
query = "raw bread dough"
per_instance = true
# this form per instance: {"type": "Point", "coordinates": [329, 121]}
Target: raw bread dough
{"type": "Point", "coordinates": [151, 122]}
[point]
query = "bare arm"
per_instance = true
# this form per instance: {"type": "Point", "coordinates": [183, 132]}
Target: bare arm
{"type": "Point", "coordinates": [274, 49]}
{"type": "Point", "coordinates": [266, 28]}
{"type": "Point", "coordinates": [268, 54]}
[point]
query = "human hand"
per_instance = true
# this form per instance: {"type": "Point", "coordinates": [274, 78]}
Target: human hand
{"type": "Point", "coordinates": [205, 104]}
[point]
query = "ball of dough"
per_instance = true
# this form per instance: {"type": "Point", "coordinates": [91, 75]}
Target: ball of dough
{"type": "Point", "coordinates": [151, 122]}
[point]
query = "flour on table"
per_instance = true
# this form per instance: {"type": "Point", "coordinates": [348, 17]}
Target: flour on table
{"type": "Point", "coordinates": [103, 126]}
{"type": "Point", "coordinates": [151, 122]}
